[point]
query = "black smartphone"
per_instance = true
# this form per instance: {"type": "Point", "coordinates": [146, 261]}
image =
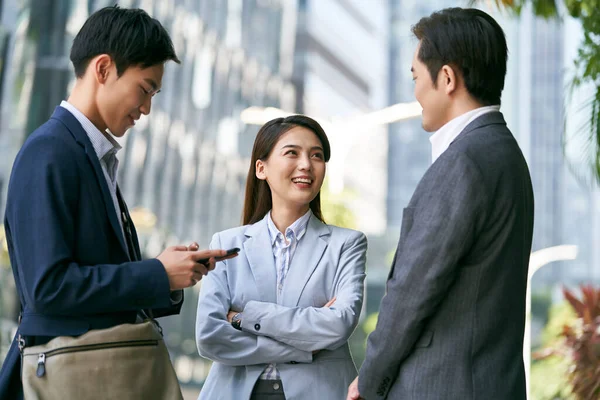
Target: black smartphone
{"type": "Point", "coordinates": [235, 250]}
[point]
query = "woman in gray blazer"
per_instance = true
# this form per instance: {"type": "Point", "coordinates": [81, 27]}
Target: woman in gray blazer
{"type": "Point", "coordinates": [276, 319]}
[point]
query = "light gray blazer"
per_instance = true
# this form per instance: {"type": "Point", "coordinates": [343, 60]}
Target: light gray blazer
{"type": "Point", "coordinates": [329, 262]}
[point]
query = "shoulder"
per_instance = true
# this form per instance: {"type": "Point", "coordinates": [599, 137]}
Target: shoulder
{"type": "Point", "coordinates": [49, 151]}
{"type": "Point", "coordinates": [455, 181]}
{"type": "Point", "coordinates": [49, 156]}
{"type": "Point", "coordinates": [485, 154]}
{"type": "Point", "coordinates": [457, 159]}
{"type": "Point", "coordinates": [49, 164]}
{"type": "Point", "coordinates": [50, 141]}
{"type": "Point", "coordinates": [486, 144]}
{"type": "Point", "coordinates": [230, 235]}
{"type": "Point", "coordinates": [346, 236]}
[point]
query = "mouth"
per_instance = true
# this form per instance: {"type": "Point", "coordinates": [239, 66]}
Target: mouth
{"type": "Point", "coordinates": [303, 182]}
{"type": "Point", "coordinates": [132, 120]}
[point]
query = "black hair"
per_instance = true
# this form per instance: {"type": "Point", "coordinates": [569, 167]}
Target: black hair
{"type": "Point", "coordinates": [129, 36]}
{"type": "Point", "coordinates": [469, 41]}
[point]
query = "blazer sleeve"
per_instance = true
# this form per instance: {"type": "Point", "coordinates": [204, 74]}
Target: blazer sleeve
{"type": "Point", "coordinates": [436, 233]}
{"type": "Point", "coordinates": [217, 340]}
{"type": "Point", "coordinates": [176, 300]}
{"type": "Point", "coordinates": [40, 222]}
{"type": "Point", "coordinates": [317, 328]}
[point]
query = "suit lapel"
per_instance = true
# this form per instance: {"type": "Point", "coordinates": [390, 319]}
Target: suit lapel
{"type": "Point", "coordinates": [133, 245]}
{"type": "Point", "coordinates": [81, 137]}
{"type": "Point", "coordinates": [262, 262]}
{"type": "Point", "coordinates": [136, 243]}
{"type": "Point", "coordinates": [306, 259]}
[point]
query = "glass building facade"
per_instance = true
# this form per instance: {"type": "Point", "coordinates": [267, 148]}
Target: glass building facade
{"type": "Point", "coordinates": [337, 81]}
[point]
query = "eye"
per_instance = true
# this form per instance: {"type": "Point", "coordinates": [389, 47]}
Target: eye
{"type": "Point", "coordinates": [146, 92]}
{"type": "Point", "coordinates": [292, 152]}
{"type": "Point", "coordinates": [318, 156]}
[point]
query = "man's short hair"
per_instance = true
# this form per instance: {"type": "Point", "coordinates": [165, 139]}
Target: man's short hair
{"type": "Point", "coordinates": [130, 36]}
{"type": "Point", "coordinates": [472, 43]}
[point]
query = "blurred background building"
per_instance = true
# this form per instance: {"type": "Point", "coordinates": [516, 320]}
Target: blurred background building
{"type": "Point", "coordinates": [183, 168]}
{"type": "Point", "coordinates": [340, 72]}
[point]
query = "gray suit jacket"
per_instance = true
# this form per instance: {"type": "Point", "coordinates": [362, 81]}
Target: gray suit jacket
{"type": "Point", "coordinates": [452, 321]}
{"type": "Point", "coordinates": [329, 262]}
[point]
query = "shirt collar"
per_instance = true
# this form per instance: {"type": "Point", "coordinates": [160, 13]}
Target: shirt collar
{"type": "Point", "coordinates": [102, 143]}
{"type": "Point", "coordinates": [441, 140]}
{"type": "Point", "coordinates": [298, 228]}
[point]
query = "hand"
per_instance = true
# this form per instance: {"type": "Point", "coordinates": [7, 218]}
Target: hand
{"type": "Point", "coordinates": [329, 303]}
{"type": "Point", "coordinates": [230, 315]}
{"type": "Point", "coordinates": [353, 391]}
{"type": "Point", "coordinates": [182, 267]}
{"type": "Point", "coordinates": [195, 246]}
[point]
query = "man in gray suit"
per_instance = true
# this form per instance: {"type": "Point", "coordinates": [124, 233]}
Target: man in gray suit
{"type": "Point", "coordinates": [452, 321]}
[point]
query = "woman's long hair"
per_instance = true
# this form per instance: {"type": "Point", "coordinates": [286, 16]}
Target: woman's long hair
{"type": "Point", "coordinates": [258, 199]}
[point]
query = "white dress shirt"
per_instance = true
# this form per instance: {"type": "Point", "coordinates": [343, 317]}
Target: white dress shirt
{"type": "Point", "coordinates": [441, 140]}
{"type": "Point", "coordinates": [284, 249]}
{"type": "Point", "coordinates": [106, 148]}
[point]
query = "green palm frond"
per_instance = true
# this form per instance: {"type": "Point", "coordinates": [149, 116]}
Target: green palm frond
{"type": "Point", "coordinates": [542, 8]}
{"type": "Point", "coordinates": [587, 64]}
{"type": "Point", "coordinates": [581, 144]}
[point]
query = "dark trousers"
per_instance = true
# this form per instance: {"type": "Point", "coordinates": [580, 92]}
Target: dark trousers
{"type": "Point", "coordinates": [10, 375]}
{"type": "Point", "coordinates": [268, 390]}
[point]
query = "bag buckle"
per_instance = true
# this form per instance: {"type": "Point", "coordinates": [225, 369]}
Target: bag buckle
{"type": "Point", "coordinates": [21, 343]}
{"type": "Point", "coordinates": [160, 330]}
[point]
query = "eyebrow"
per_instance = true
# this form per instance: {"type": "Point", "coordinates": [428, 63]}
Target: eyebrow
{"type": "Point", "coordinates": [295, 146]}
{"type": "Point", "coordinates": [153, 84]}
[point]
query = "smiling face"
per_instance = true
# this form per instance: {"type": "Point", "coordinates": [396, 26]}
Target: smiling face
{"type": "Point", "coordinates": [294, 169]}
{"type": "Point", "coordinates": [122, 100]}
{"type": "Point", "coordinates": [432, 98]}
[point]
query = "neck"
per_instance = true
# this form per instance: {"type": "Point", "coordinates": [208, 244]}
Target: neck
{"type": "Point", "coordinates": [83, 98]}
{"type": "Point", "coordinates": [462, 106]}
{"type": "Point", "coordinates": [284, 216]}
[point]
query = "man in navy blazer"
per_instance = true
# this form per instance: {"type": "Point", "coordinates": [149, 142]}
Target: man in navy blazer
{"type": "Point", "coordinates": [73, 248]}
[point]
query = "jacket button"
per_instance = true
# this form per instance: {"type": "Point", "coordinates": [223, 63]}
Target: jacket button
{"type": "Point", "coordinates": [257, 327]}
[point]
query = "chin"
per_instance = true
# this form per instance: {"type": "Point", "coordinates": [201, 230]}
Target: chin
{"type": "Point", "coordinates": [427, 127]}
{"type": "Point", "coordinates": [302, 201]}
{"type": "Point", "coordinates": [119, 132]}
{"type": "Point", "coordinates": [431, 127]}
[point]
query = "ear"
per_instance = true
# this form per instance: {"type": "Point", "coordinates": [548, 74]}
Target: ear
{"type": "Point", "coordinates": [102, 65]}
{"type": "Point", "coordinates": [260, 170]}
{"type": "Point", "coordinates": [447, 79]}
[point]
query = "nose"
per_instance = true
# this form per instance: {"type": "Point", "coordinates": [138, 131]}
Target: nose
{"type": "Point", "coordinates": [304, 163]}
{"type": "Point", "coordinates": [146, 105]}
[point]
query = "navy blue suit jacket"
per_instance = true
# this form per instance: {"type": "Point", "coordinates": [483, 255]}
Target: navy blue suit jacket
{"type": "Point", "coordinates": [71, 266]}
